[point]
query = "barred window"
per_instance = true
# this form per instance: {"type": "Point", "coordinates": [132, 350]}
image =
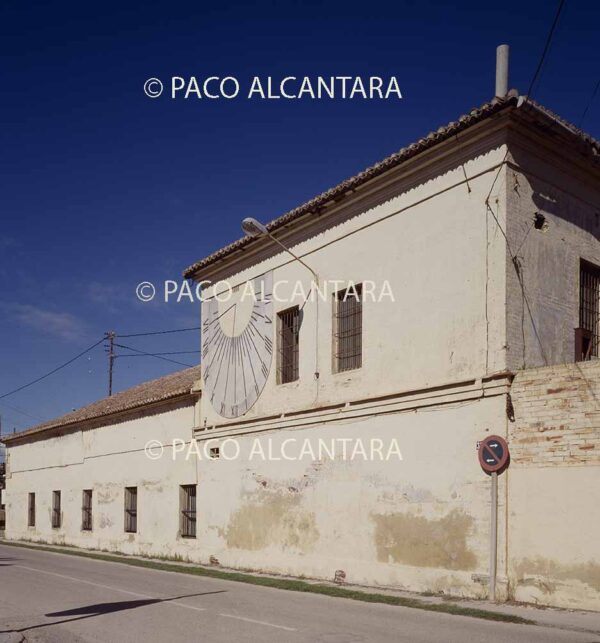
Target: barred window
{"type": "Point", "coordinates": [131, 510]}
{"type": "Point", "coordinates": [587, 335]}
{"type": "Point", "coordinates": [288, 349]}
{"type": "Point", "coordinates": [86, 510]}
{"type": "Point", "coordinates": [347, 329]}
{"type": "Point", "coordinates": [187, 505]}
{"type": "Point", "coordinates": [31, 510]}
{"type": "Point", "coordinates": [56, 510]}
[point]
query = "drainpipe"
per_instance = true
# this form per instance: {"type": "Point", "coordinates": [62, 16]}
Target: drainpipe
{"type": "Point", "coordinates": [502, 71]}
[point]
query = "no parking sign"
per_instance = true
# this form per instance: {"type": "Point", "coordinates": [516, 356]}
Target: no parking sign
{"type": "Point", "coordinates": [493, 454]}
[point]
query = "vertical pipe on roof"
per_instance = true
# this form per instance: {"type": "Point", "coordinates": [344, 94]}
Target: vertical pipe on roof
{"type": "Point", "coordinates": [502, 71]}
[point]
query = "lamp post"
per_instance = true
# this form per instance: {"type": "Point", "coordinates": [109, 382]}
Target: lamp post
{"type": "Point", "coordinates": [254, 228]}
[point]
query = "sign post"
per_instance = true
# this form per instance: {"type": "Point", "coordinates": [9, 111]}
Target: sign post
{"type": "Point", "coordinates": [493, 536]}
{"type": "Point", "coordinates": [493, 458]}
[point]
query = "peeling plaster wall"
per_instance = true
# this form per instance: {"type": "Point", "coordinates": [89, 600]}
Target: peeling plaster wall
{"type": "Point", "coordinates": [421, 523]}
{"type": "Point", "coordinates": [105, 459]}
{"type": "Point", "coordinates": [554, 486]}
{"type": "Point", "coordinates": [554, 183]}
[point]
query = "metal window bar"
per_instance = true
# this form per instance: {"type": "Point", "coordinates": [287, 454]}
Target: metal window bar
{"type": "Point", "coordinates": [131, 510]}
{"type": "Point", "coordinates": [347, 329]}
{"type": "Point", "coordinates": [188, 511]}
{"type": "Point", "coordinates": [31, 510]}
{"type": "Point", "coordinates": [589, 308]}
{"type": "Point", "coordinates": [56, 509]}
{"type": "Point", "coordinates": [86, 510]}
{"type": "Point", "coordinates": [288, 351]}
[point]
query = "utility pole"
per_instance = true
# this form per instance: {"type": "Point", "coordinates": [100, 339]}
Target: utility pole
{"type": "Point", "coordinates": [110, 336]}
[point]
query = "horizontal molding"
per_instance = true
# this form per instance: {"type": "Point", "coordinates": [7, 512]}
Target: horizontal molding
{"type": "Point", "coordinates": [458, 392]}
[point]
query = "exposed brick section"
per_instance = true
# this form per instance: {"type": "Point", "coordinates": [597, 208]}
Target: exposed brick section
{"type": "Point", "coordinates": [557, 416]}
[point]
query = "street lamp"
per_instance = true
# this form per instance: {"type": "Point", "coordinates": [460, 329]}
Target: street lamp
{"type": "Point", "coordinates": [254, 228]}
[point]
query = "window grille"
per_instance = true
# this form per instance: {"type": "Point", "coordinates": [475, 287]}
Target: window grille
{"type": "Point", "coordinates": [188, 511]}
{"type": "Point", "coordinates": [86, 510]}
{"type": "Point", "coordinates": [347, 329]}
{"type": "Point", "coordinates": [587, 335]}
{"type": "Point", "coordinates": [131, 509]}
{"type": "Point", "coordinates": [56, 510]}
{"type": "Point", "coordinates": [31, 510]}
{"type": "Point", "coordinates": [288, 352]}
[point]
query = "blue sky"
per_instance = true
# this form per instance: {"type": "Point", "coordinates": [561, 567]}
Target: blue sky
{"type": "Point", "coordinates": [102, 187]}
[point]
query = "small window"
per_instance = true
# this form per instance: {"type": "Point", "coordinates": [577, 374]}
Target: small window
{"type": "Point", "coordinates": [31, 510]}
{"type": "Point", "coordinates": [86, 510]}
{"type": "Point", "coordinates": [131, 509]}
{"type": "Point", "coordinates": [587, 335]}
{"type": "Point", "coordinates": [56, 512]}
{"type": "Point", "coordinates": [187, 504]}
{"type": "Point", "coordinates": [288, 337]}
{"type": "Point", "coordinates": [347, 329]}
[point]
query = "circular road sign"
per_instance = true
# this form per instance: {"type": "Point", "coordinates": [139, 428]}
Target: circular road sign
{"type": "Point", "coordinates": [493, 454]}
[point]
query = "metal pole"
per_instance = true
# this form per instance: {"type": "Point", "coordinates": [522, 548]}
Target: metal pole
{"type": "Point", "coordinates": [493, 535]}
{"type": "Point", "coordinates": [296, 257]}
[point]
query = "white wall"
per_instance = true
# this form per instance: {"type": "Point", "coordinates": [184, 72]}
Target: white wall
{"type": "Point", "coordinates": [420, 524]}
{"type": "Point", "coordinates": [445, 260]}
{"type": "Point", "coordinates": [105, 459]}
{"type": "Point", "coordinates": [554, 183]}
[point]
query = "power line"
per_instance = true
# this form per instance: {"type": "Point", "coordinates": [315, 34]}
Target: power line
{"type": "Point", "coordinates": [589, 104]}
{"type": "Point", "coordinates": [22, 412]}
{"type": "Point", "coordinates": [158, 354]}
{"type": "Point", "coordinates": [160, 332]}
{"type": "Point", "coordinates": [55, 370]}
{"type": "Point", "coordinates": [166, 359]}
{"type": "Point", "coordinates": [513, 257]}
{"type": "Point", "coordinates": [546, 46]}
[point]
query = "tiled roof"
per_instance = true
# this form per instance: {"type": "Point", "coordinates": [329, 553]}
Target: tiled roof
{"type": "Point", "coordinates": [162, 389]}
{"type": "Point", "coordinates": [475, 116]}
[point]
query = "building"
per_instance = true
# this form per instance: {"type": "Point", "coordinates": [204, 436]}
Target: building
{"type": "Point", "coordinates": [486, 235]}
{"type": "Point", "coordinates": [80, 478]}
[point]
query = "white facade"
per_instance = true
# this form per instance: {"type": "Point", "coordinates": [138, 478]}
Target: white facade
{"type": "Point", "coordinates": [105, 459]}
{"type": "Point", "coordinates": [436, 374]}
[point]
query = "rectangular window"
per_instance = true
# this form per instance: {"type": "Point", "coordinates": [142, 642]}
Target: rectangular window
{"type": "Point", "coordinates": [288, 349]}
{"type": "Point", "coordinates": [56, 514]}
{"type": "Point", "coordinates": [131, 509]}
{"type": "Point", "coordinates": [86, 510]}
{"type": "Point", "coordinates": [587, 335]}
{"type": "Point", "coordinates": [347, 329]}
{"type": "Point", "coordinates": [187, 505]}
{"type": "Point", "coordinates": [31, 510]}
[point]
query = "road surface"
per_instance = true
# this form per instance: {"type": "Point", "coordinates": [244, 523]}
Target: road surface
{"type": "Point", "coordinates": [55, 597]}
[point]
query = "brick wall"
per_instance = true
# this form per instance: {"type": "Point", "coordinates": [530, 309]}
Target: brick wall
{"type": "Point", "coordinates": [557, 416]}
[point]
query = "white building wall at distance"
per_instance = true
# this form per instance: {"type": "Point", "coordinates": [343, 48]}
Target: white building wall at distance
{"type": "Point", "coordinates": [105, 459]}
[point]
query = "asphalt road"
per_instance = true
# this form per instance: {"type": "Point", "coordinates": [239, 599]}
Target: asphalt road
{"type": "Point", "coordinates": [56, 597]}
